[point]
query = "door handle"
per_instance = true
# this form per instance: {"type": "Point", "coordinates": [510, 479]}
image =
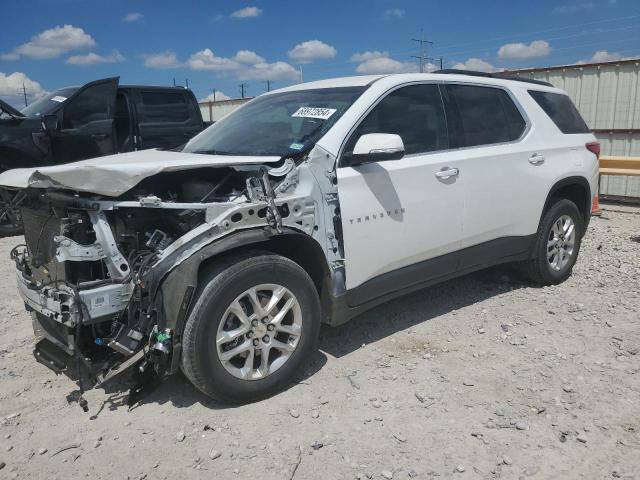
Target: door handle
{"type": "Point", "coordinates": [447, 173]}
{"type": "Point", "coordinates": [536, 159]}
{"type": "Point", "coordinates": [99, 135]}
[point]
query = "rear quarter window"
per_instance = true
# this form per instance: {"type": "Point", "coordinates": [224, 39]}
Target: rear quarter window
{"type": "Point", "coordinates": [561, 110]}
{"type": "Point", "coordinates": [165, 107]}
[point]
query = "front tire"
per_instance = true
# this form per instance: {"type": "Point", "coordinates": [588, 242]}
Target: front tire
{"type": "Point", "coordinates": [557, 244]}
{"type": "Point", "coordinates": [253, 327]}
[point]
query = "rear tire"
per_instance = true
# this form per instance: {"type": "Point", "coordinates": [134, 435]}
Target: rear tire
{"type": "Point", "coordinates": [557, 244]}
{"type": "Point", "coordinates": [250, 304]}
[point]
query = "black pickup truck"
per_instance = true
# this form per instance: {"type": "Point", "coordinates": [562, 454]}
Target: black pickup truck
{"type": "Point", "coordinates": [96, 119]}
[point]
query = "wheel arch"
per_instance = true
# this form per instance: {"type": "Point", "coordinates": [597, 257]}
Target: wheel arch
{"type": "Point", "coordinates": [576, 189]}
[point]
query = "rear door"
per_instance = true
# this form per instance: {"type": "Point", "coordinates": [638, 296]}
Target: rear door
{"type": "Point", "coordinates": [398, 215]}
{"type": "Point", "coordinates": [86, 123]}
{"type": "Point", "coordinates": [488, 130]}
{"type": "Point", "coordinates": [167, 118]}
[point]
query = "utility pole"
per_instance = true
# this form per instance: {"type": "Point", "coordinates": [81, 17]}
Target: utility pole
{"type": "Point", "coordinates": [174, 81]}
{"type": "Point", "coordinates": [441, 67]}
{"type": "Point", "coordinates": [423, 50]}
{"type": "Point", "coordinates": [214, 95]}
{"type": "Point", "coordinates": [24, 92]}
{"type": "Point", "coordinates": [187, 82]}
{"type": "Point", "coordinates": [268, 82]}
{"type": "Point", "coordinates": [242, 87]}
{"type": "Point", "coordinates": [301, 77]}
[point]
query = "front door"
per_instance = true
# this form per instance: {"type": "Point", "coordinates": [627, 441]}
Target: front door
{"type": "Point", "coordinates": [400, 218]}
{"type": "Point", "coordinates": [86, 127]}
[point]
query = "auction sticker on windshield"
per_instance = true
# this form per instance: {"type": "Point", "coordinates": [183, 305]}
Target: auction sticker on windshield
{"type": "Point", "coordinates": [314, 112]}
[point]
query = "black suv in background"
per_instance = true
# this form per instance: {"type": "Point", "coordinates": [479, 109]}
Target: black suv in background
{"type": "Point", "coordinates": [96, 119]}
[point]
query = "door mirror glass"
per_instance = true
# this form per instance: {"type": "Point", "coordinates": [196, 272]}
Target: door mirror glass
{"type": "Point", "coordinates": [50, 122]}
{"type": "Point", "coordinates": [377, 147]}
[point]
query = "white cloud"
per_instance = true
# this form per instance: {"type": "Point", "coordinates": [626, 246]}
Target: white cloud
{"type": "Point", "coordinates": [475, 64]}
{"type": "Point", "coordinates": [207, 60]}
{"type": "Point", "coordinates": [307, 52]}
{"type": "Point", "coordinates": [368, 55]}
{"type": "Point", "coordinates": [520, 51]}
{"type": "Point", "coordinates": [385, 64]}
{"type": "Point", "coordinates": [52, 43]}
{"type": "Point", "coordinates": [247, 12]}
{"type": "Point", "coordinates": [93, 58]}
{"type": "Point", "coordinates": [11, 88]}
{"type": "Point", "coordinates": [603, 56]}
{"type": "Point", "coordinates": [132, 17]}
{"type": "Point", "coordinates": [162, 60]}
{"type": "Point", "coordinates": [217, 97]}
{"type": "Point", "coordinates": [247, 57]}
{"type": "Point", "coordinates": [277, 71]}
{"type": "Point", "coordinates": [394, 12]}
{"type": "Point", "coordinates": [244, 65]}
{"type": "Point", "coordinates": [575, 7]}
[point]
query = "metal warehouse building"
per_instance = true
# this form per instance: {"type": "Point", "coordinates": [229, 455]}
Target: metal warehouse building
{"type": "Point", "coordinates": [214, 111]}
{"type": "Point", "coordinates": [608, 97]}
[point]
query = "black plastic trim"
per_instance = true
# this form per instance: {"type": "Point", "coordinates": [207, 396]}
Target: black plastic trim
{"type": "Point", "coordinates": [430, 272]}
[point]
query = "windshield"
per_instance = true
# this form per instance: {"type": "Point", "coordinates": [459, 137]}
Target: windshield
{"type": "Point", "coordinates": [276, 124]}
{"type": "Point", "coordinates": [47, 104]}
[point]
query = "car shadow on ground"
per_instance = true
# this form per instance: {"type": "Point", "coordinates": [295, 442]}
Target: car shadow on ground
{"type": "Point", "coordinates": [395, 316]}
{"type": "Point", "coordinates": [408, 311]}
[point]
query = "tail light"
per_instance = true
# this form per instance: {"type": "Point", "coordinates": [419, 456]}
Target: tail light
{"type": "Point", "coordinates": [594, 147]}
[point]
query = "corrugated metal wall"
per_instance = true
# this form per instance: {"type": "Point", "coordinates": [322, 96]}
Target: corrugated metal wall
{"type": "Point", "coordinates": [608, 97]}
{"type": "Point", "coordinates": [214, 111]}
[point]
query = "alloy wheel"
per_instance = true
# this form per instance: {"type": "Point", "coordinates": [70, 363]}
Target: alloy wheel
{"type": "Point", "coordinates": [561, 242]}
{"type": "Point", "coordinates": [259, 331]}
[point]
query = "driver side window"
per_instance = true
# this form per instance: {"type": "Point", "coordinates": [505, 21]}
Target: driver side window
{"type": "Point", "coordinates": [415, 113]}
{"type": "Point", "coordinates": [91, 105]}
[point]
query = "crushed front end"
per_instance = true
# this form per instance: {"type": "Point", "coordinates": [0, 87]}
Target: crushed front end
{"type": "Point", "coordinates": [80, 274]}
{"type": "Point", "coordinates": [109, 280]}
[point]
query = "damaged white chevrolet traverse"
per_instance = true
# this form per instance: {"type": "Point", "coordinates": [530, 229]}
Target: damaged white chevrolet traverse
{"type": "Point", "coordinates": [307, 205]}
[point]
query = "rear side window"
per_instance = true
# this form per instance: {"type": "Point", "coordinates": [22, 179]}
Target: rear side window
{"type": "Point", "coordinates": [164, 107]}
{"type": "Point", "coordinates": [561, 110]}
{"type": "Point", "coordinates": [415, 113]}
{"type": "Point", "coordinates": [483, 115]}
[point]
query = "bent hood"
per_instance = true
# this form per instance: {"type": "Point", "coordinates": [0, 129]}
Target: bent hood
{"type": "Point", "coordinates": [117, 174]}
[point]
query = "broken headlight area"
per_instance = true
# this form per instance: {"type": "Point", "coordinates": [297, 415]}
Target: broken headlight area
{"type": "Point", "coordinates": [109, 280]}
{"type": "Point", "coordinates": [82, 270]}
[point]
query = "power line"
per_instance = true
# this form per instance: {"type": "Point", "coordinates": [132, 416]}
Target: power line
{"type": "Point", "coordinates": [424, 44]}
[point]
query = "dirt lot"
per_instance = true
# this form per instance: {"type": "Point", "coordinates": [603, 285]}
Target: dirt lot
{"type": "Point", "coordinates": [483, 377]}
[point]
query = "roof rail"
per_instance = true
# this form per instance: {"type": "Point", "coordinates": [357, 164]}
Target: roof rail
{"type": "Point", "coordinates": [501, 76]}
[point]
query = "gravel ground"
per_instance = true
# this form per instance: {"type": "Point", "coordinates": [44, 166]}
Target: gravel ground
{"type": "Point", "coordinates": [482, 377]}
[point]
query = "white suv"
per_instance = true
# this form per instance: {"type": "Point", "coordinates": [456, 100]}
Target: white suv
{"type": "Point", "coordinates": [309, 204]}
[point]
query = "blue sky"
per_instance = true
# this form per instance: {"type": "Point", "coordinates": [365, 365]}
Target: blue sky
{"type": "Point", "coordinates": [47, 44]}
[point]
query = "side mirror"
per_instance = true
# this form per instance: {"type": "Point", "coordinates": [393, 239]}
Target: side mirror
{"type": "Point", "coordinates": [50, 123]}
{"type": "Point", "coordinates": [378, 147]}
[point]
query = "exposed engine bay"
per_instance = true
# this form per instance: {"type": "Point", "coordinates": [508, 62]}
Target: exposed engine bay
{"type": "Point", "coordinates": [109, 280]}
